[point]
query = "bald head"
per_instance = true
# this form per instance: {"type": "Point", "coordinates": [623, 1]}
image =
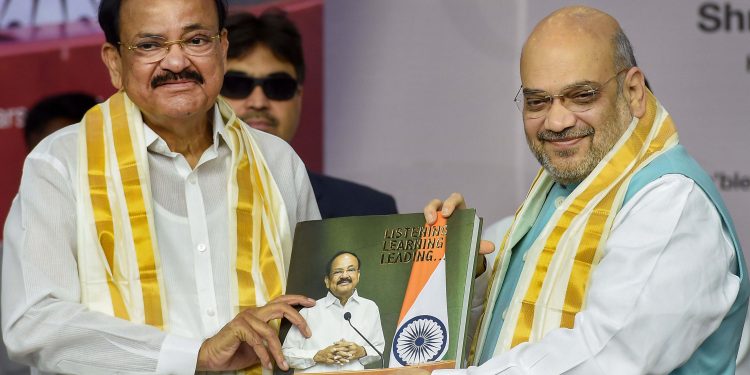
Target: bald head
{"type": "Point", "coordinates": [576, 35]}
{"type": "Point", "coordinates": [576, 20]}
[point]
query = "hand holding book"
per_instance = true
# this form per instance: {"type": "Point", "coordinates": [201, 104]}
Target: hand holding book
{"type": "Point", "coordinates": [454, 202]}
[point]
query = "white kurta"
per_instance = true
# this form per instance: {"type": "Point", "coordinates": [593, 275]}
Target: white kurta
{"type": "Point", "coordinates": [327, 324]}
{"type": "Point", "coordinates": [43, 322]}
{"type": "Point", "coordinates": [664, 284]}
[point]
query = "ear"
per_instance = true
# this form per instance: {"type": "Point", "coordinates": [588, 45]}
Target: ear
{"type": "Point", "coordinates": [224, 43]}
{"type": "Point", "coordinates": [634, 87]}
{"type": "Point", "coordinates": [113, 61]}
{"type": "Point", "coordinates": [326, 281]}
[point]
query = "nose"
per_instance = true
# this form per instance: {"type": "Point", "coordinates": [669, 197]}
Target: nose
{"type": "Point", "coordinates": [176, 60]}
{"type": "Point", "coordinates": [257, 99]}
{"type": "Point", "coordinates": [558, 117]}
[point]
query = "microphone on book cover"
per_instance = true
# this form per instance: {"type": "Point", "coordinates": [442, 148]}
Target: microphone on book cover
{"type": "Point", "coordinates": [348, 318]}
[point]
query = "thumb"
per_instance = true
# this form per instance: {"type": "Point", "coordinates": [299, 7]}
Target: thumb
{"type": "Point", "coordinates": [486, 247]}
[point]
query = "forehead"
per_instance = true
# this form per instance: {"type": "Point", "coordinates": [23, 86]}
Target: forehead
{"type": "Point", "coordinates": [344, 261]}
{"type": "Point", "coordinates": [553, 62]}
{"type": "Point", "coordinates": [168, 18]}
{"type": "Point", "coordinates": [260, 62]}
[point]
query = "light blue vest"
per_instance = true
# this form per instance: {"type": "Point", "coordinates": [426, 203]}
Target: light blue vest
{"type": "Point", "coordinates": [718, 352]}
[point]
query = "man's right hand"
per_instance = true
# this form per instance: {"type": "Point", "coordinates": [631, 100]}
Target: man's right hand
{"type": "Point", "coordinates": [249, 339]}
{"type": "Point", "coordinates": [454, 202]}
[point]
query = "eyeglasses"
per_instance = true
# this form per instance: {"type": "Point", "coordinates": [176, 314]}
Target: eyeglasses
{"type": "Point", "coordinates": [277, 86]}
{"type": "Point", "coordinates": [577, 98]}
{"type": "Point", "coordinates": [340, 271]}
{"type": "Point", "coordinates": [153, 49]}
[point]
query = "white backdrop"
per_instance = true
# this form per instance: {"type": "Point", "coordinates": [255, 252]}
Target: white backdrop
{"type": "Point", "coordinates": [419, 100]}
{"type": "Point", "coordinates": [419, 93]}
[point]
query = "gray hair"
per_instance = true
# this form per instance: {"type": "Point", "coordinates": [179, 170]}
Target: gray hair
{"type": "Point", "coordinates": [623, 54]}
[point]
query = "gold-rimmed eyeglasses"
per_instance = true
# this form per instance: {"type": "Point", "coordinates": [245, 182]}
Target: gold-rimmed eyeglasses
{"type": "Point", "coordinates": [153, 49]}
{"type": "Point", "coordinates": [576, 98]}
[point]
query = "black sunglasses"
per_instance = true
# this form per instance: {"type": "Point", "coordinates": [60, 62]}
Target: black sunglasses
{"type": "Point", "coordinates": [277, 86]}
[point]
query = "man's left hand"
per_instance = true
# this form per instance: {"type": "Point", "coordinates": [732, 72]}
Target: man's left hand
{"type": "Point", "coordinates": [249, 339]}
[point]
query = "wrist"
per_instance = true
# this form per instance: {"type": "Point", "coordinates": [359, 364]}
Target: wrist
{"type": "Point", "coordinates": [202, 360]}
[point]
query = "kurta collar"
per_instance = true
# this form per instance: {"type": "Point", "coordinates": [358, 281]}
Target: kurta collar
{"type": "Point", "coordinates": [157, 144]}
{"type": "Point", "coordinates": [330, 299]}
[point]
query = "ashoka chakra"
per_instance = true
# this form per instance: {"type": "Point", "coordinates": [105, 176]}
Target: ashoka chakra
{"type": "Point", "coordinates": [421, 339]}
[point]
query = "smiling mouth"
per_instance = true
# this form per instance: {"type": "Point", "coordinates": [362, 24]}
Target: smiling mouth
{"type": "Point", "coordinates": [566, 142]}
{"type": "Point", "coordinates": [260, 124]}
{"type": "Point", "coordinates": [565, 139]}
{"type": "Point", "coordinates": [177, 84]}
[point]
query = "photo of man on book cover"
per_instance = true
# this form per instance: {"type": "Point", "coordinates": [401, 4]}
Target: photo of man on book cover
{"type": "Point", "coordinates": [346, 329]}
{"type": "Point", "coordinates": [404, 285]}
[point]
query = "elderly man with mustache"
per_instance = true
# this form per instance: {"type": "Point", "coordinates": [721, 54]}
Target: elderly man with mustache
{"type": "Point", "coordinates": [154, 235]}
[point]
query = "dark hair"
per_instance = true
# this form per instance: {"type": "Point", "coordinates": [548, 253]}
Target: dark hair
{"type": "Point", "coordinates": [68, 106]}
{"type": "Point", "coordinates": [109, 18]}
{"type": "Point", "coordinates": [272, 29]}
{"type": "Point", "coordinates": [330, 261]}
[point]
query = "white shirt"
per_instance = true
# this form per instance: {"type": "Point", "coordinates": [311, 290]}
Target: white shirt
{"type": "Point", "coordinates": [665, 282]}
{"type": "Point", "coordinates": [44, 324]}
{"type": "Point", "coordinates": [327, 325]}
{"type": "Point", "coordinates": [8, 367]}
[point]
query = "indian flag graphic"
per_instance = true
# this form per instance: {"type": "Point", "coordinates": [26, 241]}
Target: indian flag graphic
{"type": "Point", "coordinates": [422, 333]}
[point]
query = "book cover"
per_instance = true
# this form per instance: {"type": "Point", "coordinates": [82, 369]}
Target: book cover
{"type": "Point", "coordinates": [416, 279]}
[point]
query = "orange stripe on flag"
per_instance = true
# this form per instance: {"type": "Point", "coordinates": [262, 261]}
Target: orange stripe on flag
{"type": "Point", "coordinates": [422, 270]}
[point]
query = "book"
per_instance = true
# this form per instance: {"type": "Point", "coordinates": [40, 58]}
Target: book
{"type": "Point", "coordinates": [419, 277]}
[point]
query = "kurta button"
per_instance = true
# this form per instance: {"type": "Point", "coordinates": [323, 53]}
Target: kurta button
{"type": "Point", "coordinates": [201, 247]}
{"type": "Point", "coordinates": [192, 179]}
{"type": "Point", "coordinates": [559, 201]}
{"type": "Point", "coordinates": [210, 312]}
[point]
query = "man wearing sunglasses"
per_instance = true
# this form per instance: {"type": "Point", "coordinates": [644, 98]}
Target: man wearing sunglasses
{"type": "Point", "coordinates": [623, 258]}
{"type": "Point", "coordinates": [263, 84]}
{"type": "Point", "coordinates": [154, 235]}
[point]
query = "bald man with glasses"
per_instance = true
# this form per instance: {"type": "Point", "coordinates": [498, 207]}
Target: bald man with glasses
{"type": "Point", "coordinates": [622, 259]}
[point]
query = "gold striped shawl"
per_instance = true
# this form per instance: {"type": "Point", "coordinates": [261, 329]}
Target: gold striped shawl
{"type": "Point", "coordinates": [118, 252]}
{"type": "Point", "coordinates": [552, 286]}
